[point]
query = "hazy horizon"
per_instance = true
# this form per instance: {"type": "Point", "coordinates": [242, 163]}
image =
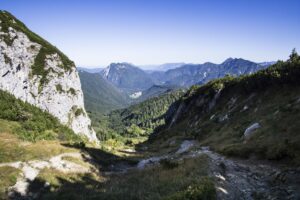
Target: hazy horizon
{"type": "Point", "coordinates": [97, 33]}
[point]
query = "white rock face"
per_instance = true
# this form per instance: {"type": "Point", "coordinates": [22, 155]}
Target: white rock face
{"type": "Point", "coordinates": [61, 95]}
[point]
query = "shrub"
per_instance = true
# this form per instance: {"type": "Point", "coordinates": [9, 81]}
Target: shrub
{"type": "Point", "coordinates": [59, 88]}
{"type": "Point", "coordinates": [79, 111]}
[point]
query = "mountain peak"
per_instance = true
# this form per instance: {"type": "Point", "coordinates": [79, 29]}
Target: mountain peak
{"type": "Point", "coordinates": [229, 59]}
{"type": "Point", "coordinates": [127, 77]}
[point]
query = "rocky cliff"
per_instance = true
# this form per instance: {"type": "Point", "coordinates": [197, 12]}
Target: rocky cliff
{"type": "Point", "coordinates": [37, 72]}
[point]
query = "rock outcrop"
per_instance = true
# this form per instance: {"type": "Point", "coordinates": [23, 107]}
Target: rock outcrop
{"type": "Point", "coordinates": [250, 130]}
{"type": "Point", "coordinates": [37, 72]}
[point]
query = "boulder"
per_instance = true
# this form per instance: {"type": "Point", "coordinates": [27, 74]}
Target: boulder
{"type": "Point", "coordinates": [250, 130]}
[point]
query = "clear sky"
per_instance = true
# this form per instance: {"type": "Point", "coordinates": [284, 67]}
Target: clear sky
{"type": "Point", "coordinates": [97, 32]}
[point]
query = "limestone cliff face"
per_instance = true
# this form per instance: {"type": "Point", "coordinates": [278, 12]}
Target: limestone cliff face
{"type": "Point", "coordinates": [36, 72]}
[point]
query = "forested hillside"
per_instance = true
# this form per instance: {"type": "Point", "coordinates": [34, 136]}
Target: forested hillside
{"type": "Point", "coordinates": [139, 119]}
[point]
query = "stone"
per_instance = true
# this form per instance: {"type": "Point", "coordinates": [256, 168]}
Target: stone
{"type": "Point", "coordinates": [250, 130]}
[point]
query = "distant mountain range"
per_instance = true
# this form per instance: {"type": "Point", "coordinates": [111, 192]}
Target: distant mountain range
{"type": "Point", "coordinates": [130, 78]}
{"type": "Point", "coordinates": [121, 84]}
{"type": "Point", "coordinates": [191, 74]}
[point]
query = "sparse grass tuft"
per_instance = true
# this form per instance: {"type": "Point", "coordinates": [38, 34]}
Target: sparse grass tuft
{"type": "Point", "coordinates": [8, 177]}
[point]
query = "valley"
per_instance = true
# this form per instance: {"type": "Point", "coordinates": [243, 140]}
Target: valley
{"type": "Point", "coordinates": [180, 132]}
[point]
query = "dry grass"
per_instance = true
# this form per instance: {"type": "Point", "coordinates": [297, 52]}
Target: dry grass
{"type": "Point", "coordinates": [13, 149]}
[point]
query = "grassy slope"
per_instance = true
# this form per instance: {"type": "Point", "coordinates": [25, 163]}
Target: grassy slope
{"type": "Point", "coordinates": [27, 132]}
{"type": "Point", "coordinates": [269, 97]}
{"type": "Point", "coordinates": [31, 123]}
{"type": "Point", "coordinates": [188, 180]}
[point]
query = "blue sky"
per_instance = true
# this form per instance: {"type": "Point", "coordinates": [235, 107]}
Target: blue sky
{"type": "Point", "coordinates": [97, 32]}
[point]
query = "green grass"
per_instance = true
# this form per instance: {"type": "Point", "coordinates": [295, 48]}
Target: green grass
{"type": "Point", "coordinates": [188, 179]}
{"type": "Point", "coordinates": [8, 177]}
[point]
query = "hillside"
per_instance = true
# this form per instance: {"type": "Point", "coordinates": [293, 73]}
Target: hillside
{"type": "Point", "coordinates": [29, 122]}
{"type": "Point", "coordinates": [37, 72]}
{"type": "Point", "coordinates": [251, 115]}
{"type": "Point", "coordinates": [139, 119]}
{"type": "Point", "coordinates": [100, 96]}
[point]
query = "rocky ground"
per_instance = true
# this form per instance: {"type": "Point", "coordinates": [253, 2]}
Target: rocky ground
{"type": "Point", "coordinates": [240, 179]}
{"type": "Point", "coordinates": [234, 179]}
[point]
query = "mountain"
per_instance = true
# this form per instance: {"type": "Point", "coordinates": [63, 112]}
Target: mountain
{"type": "Point", "coordinates": [35, 71]}
{"type": "Point", "coordinates": [248, 116]}
{"type": "Point", "coordinates": [90, 70]}
{"type": "Point", "coordinates": [127, 77]}
{"type": "Point", "coordinates": [155, 91]}
{"type": "Point", "coordinates": [191, 74]}
{"type": "Point", "coordinates": [158, 77]}
{"type": "Point", "coordinates": [100, 95]}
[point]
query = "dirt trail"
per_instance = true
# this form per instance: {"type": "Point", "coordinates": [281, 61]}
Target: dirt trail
{"type": "Point", "coordinates": [31, 169]}
{"type": "Point", "coordinates": [239, 179]}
